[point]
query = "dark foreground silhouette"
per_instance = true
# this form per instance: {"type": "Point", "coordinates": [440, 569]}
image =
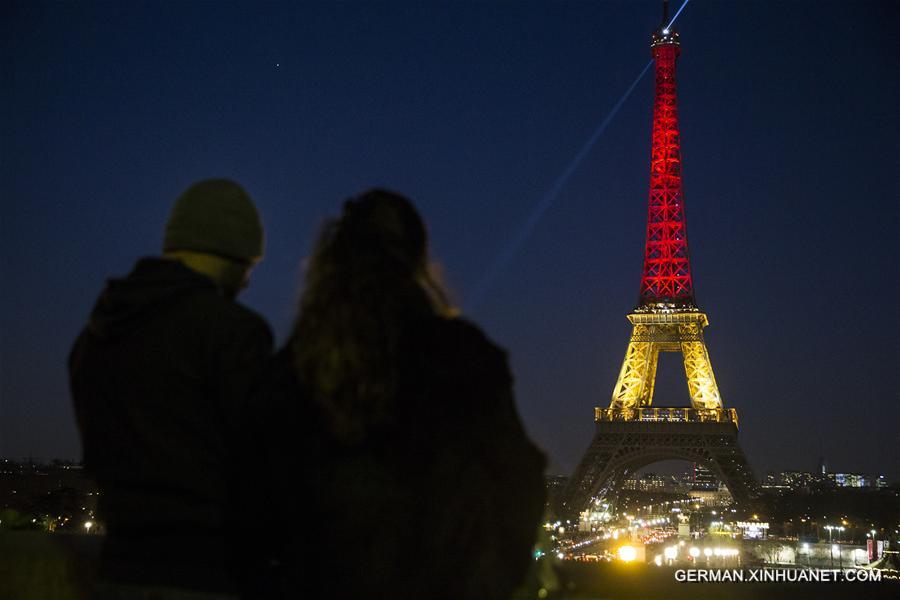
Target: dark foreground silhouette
{"type": "Point", "coordinates": [379, 454]}
{"type": "Point", "coordinates": [399, 433]}
{"type": "Point", "coordinates": [160, 379]}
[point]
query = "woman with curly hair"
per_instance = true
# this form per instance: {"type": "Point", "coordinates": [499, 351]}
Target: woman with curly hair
{"type": "Point", "coordinates": [407, 469]}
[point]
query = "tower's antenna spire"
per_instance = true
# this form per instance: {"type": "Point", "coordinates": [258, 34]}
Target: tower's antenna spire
{"type": "Point", "coordinates": [665, 19]}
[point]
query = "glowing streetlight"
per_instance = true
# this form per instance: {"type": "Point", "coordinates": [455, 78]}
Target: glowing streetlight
{"type": "Point", "coordinates": [627, 553]}
{"type": "Point", "coordinates": [87, 526]}
{"type": "Point", "coordinates": [832, 528]}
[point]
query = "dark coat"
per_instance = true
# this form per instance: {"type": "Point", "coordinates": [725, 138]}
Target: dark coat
{"type": "Point", "coordinates": [444, 502]}
{"type": "Point", "coordinates": [160, 378]}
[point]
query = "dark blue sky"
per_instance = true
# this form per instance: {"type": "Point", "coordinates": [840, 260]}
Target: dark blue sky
{"type": "Point", "coordinates": [789, 119]}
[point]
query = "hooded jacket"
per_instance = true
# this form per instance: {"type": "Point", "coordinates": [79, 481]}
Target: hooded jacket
{"type": "Point", "coordinates": [159, 380]}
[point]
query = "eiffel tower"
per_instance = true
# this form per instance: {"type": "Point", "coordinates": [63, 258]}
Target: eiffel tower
{"type": "Point", "coordinates": [632, 432]}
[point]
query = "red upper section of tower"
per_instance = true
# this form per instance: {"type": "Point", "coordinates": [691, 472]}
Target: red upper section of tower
{"type": "Point", "coordinates": [667, 268]}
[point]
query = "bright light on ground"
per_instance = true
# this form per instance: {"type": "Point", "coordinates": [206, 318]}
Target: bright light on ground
{"type": "Point", "coordinates": [627, 553]}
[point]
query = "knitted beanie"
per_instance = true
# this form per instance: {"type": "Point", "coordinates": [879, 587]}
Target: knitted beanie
{"type": "Point", "coordinates": [218, 217]}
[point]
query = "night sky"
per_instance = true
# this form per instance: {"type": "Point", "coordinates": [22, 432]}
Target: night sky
{"type": "Point", "coordinates": [789, 123]}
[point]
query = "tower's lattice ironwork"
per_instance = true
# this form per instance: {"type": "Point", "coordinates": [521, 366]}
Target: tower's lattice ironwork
{"type": "Point", "coordinates": [631, 433]}
{"type": "Point", "coordinates": [667, 266]}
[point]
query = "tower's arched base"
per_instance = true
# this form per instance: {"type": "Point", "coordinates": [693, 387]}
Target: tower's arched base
{"type": "Point", "coordinates": [621, 447]}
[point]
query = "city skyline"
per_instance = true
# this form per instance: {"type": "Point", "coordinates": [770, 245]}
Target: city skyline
{"type": "Point", "coordinates": [788, 134]}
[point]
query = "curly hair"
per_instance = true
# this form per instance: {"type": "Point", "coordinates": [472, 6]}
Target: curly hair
{"type": "Point", "coordinates": [367, 282]}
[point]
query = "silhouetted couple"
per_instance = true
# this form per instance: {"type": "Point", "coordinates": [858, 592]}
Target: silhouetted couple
{"type": "Point", "coordinates": [378, 454]}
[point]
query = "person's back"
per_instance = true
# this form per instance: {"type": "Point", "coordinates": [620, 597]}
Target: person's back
{"type": "Point", "coordinates": [447, 497]}
{"type": "Point", "coordinates": [160, 379]}
{"type": "Point", "coordinates": [401, 427]}
{"type": "Point", "coordinates": [483, 491]}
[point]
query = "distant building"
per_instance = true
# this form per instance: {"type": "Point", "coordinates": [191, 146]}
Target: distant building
{"type": "Point", "coordinates": [852, 480]}
{"type": "Point", "coordinates": [719, 496]}
{"type": "Point", "coordinates": [858, 480]}
{"type": "Point", "coordinates": [775, 483]}
{"type": "Point", "coordinates": [753, 530]}
{"type": "Point", "coordinates": [805, 481]}
{"type": "Point", "coordinates": [651, 482]}
{"type": "Point", "coordinates": [703, 478]}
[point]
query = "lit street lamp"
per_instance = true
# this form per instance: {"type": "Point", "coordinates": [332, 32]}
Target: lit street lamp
{"type": "Point", "coordinates": [874, 551]}
{"type": "Point", "coordinates": [830, 529]}
{"type": "Point", "coordinates": [840, 555]}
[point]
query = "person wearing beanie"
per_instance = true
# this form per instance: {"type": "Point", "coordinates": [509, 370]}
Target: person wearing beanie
{"type": "Point", "coordinates": [214, 229]}
{"type": "Point", "coordinates": [159, 379]}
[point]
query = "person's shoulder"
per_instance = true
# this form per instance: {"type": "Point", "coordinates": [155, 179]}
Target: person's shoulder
{"type": "Point", "coordinates": [247, 315]}
{"type": "Point", "coordinates": [250, 324]}
{"type": "Point", "coordinates": [461, 330]}
{"type": "Point", "coordinates": [221, 311]}
{"type": "Point", "coordinates": [463, 342]}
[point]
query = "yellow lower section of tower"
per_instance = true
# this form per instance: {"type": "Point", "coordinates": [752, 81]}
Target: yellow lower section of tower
{"type": "Point", "coordinates": [665, 332]}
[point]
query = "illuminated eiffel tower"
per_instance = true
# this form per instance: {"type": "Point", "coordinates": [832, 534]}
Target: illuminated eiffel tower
{"type": "Point", "coordinates": [631, 432]}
